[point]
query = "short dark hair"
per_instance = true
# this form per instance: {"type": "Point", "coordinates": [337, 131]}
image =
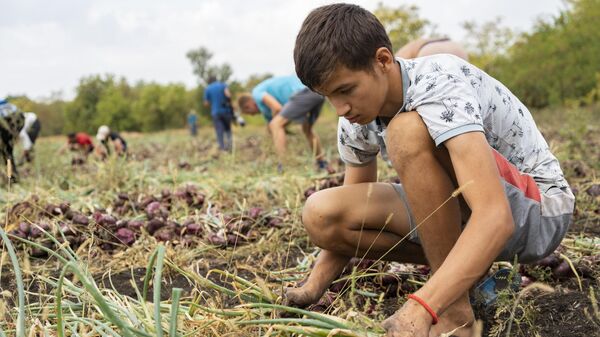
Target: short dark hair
{"type": "Point", "coordinates": [333, 35]}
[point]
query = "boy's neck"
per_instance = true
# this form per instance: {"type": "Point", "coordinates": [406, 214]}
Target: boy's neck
{"type": "Point", "coordinates": [395, 96]}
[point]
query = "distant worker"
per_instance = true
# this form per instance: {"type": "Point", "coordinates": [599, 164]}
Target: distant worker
{"type": "Point", "coordinates": [282, 100]}
{"type": "Point", "coordinates": [79, 142]}
{"type": "Point", "coordinates": [192, 121]}
{"type": "Point", "coordinates": [107, 137]}
{"type": "Point", "coordinates": [11, 123]}
{"type": "Point", "coordinates": [218, 98]}
{"type": "Point", "coordinates": [28, 135]}
{"type": "Point", "coordinates": [423, 47]}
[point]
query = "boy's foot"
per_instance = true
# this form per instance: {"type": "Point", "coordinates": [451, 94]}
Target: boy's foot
{"type": "Point", "coordinates": [279, 168]}
{"type": "Point", "coordinates": [458, 319]}
{"type": "Point", "coordinates": [301, 297]}
{"type": "Point", "coordinates": [486, 292]}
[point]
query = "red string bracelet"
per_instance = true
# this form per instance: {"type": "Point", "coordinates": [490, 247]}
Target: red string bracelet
{"type": "Point", "coordinates": [427, 307]}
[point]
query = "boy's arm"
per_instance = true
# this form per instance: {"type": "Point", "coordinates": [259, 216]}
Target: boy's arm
{"type": "Point", "coordinates": [361, 174]}
{"type": "Point", "coordinates": [272, 103]}
{"type": "Point", "coordinates": [487, 231]}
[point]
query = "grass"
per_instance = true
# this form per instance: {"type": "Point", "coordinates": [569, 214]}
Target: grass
{"type": "Point", "coordinates": [233, 290]}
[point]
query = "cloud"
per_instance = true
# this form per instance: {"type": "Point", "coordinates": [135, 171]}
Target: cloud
{"type": "Point", "coordinates": [49, 46]}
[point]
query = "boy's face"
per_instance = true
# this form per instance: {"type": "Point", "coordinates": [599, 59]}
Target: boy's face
{"type": "Point", "coordinates": [357, 95]}
{"type": "Point", "coordinates": [249, 108]}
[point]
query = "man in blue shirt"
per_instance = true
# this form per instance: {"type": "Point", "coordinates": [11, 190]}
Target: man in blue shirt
{"type": "Point", "coordinates": [218, 98]}
{"type": "Point", "coordinates": [282, 100]}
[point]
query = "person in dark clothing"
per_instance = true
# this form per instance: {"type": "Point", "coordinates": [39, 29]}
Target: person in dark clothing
{"type": "Point", "coordinates": [218, 98]}
{"type": "Point", "coordinates": [105, 135]}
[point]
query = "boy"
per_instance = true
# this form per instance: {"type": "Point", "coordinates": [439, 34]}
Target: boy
{"type": "Point", "coordinates": [282, 100]}
{"type": "Point", "coordinates": [446, 124]}
{"type": "Point", "coordinates": [218, 98]}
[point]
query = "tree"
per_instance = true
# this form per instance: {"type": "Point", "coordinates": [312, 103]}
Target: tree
{"type": "Point", "coordinates": [83, 109]}
{"type": "Point", "coordinates": [488, 42]}
{"type": "Point", "coordinates": [402, 23]}
{"type": "Point", "coordinates": [200, 60]}
{"type": "Point", "coordinates": [557, 61]}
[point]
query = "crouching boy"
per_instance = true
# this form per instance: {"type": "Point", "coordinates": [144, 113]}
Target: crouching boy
{"type": "Point", "coordinates": [445, 124]}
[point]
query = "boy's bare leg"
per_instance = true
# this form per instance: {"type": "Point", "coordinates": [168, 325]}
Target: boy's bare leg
{"type": "Point", "coordinates": [328, 267]}
{"type": "Point", "coordinates": [343, 218]}
{"type": "Point", "coordinates": [417, 156]}
{"type": "Point", "coordinates": [277, 128]}
{"type": "Point", "coordinates": [313, 140]}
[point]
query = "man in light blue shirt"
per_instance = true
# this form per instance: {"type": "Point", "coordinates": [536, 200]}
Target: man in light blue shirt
{"type": "Point", "coordinates": [282, 100]}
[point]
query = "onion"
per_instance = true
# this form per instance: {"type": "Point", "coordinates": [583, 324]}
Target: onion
{"type": "Point", "coordinates": [254, 212]}
{"type": "Point", "coordinates": [154, 225]}
{"type": "Point", "coordinates": [193, 229]}
{"type": "Point", "coordinates": [525, 281]}
{"type": "Point", "coordinates": [125, 235]}
{"type": "Point", "coordinates": [216, 239]}
{"type": "Point", "coordinates": [153, 207]}
{"type": "Point", "coordinates": [275, 222]}
{"type": "Point", "coordinates": [80, 219]}
{"type": "Point", "coordinates": [36, 232]}
{"type": "Point", "coordinates": [135, 224]}
{"type": "Point", "coordinates": [562, 271]}
{"type": "Point", "coordinates": [550, 261]}
{"type": "Point", "coordinates": [107, 220]}
{"type": "Point", "coordinates": [25, 228]}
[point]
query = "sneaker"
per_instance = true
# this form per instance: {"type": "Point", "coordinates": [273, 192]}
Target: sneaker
{"type": "Point", "coordinates": [322, 164]}
{"type": "Point", "coordinates": [486, 292]}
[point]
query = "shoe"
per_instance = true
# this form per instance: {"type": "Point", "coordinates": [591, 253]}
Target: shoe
{"type": "Point", "coordinates": [322, 164]}
{"type": "Point", "coordinates": [486, 292]}
{"type": "Point", "coordinates": [279, 168]}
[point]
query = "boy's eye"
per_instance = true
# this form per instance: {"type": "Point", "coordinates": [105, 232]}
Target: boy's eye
{"type": "Point", "coordinates": [346, 90]}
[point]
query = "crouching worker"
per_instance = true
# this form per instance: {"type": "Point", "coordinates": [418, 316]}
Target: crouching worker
{"type": "Point", "coordinates": [108, 139]}
{"type": "Point", "coordinates": [282, 100]}
{"type": "Point", "coordinates": [81, 144]}
{"type": "Point", "coordinates": [28, 135]}
{"type": "Point", "coordinates": [11, 124]}
{"type": "Point", "coordinates": [446, 124]}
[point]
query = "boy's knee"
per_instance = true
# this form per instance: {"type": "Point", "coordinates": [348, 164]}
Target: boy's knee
{"type": "Point", "coordinates": [407, 138]}
{"type": "Point", "coordinates": [321, 218]}
{"type": "Point", "coordinates": [277, 123]}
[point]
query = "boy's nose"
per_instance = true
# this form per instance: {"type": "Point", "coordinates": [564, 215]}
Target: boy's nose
{"type": "Point", "coordinates": [340, 108]}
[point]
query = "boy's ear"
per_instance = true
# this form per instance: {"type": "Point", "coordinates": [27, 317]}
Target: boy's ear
{"type": "Point", "coordinates": [384, 58]}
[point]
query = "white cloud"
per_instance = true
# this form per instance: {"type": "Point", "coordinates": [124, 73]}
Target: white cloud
{"type": "Point", "coordinates": [49, 46]}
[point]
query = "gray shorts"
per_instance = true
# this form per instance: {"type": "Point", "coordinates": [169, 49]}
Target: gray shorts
{"type": "Point", "coordinates": [541, 219]}
{"type": "Point", "coordinates": [303, 106]}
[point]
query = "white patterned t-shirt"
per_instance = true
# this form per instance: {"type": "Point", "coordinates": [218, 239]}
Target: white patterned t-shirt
{"type": "Point", "coordinates": [454, 97]}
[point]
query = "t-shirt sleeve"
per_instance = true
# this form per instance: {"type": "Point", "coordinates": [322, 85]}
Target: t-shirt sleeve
{"type": "Point", "coordinates": [447, 103]}
{"type": "Point", "coordinates": [357, 145]}
{"type": "Point", "coordinates": [205, 96]}
{"type": "Point", "coordinates": [27, 145]}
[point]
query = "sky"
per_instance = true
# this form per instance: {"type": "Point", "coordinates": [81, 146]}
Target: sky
{"type": "Point", "coordinates": [47, 46]}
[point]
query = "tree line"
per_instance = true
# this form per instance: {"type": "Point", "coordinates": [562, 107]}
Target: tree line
{"type": "Point", "coordinates": [553, 64]}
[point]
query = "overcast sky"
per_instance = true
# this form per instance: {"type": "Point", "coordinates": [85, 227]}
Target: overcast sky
{"type": "Point", "coordinates": [47, 46]}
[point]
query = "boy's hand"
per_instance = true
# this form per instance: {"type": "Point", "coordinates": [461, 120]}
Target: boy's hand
{"type": "Point", "coordinates": [409, 321]}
